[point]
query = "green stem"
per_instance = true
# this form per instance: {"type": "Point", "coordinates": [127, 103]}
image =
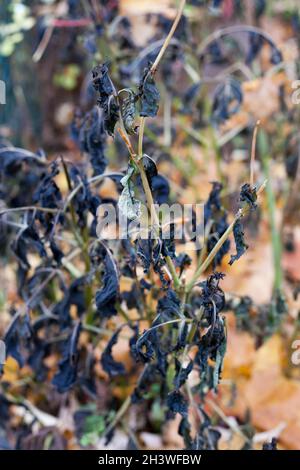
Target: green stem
{"type": "Point", "coordinates": [275, 237]}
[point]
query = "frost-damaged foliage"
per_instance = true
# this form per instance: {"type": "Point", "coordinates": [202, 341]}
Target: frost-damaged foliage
{"type": "Point", "coordinates": [67, 374]}
{"type": "Point", "coordinates": [82, 299]}
{"type": "Point", "coordinates": [149, 95]}
{"type": "Point", "coordinates": [112, 367]}
{"type": "Point", "coordinates": [89, 133]}
{"type": "Point", "coordinates": [107, 296]}
{"type": "Point", "coordinates": [107, 97]}
{"type": "Point", "coordinates": [215, 217]}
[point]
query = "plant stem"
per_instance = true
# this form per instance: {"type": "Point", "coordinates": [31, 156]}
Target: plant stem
{"type": "Point", "coordinates": [275, 237]}
{"type": "Point", "coordinates": [169, 37]}
{"type": "Point", "coordinates": [141, 136]}
{"type": "Point", "coordinates": [120, 413]}
{"type": "Point", "coordinates": [155, 220]}
{"type": "Point", "coordinates": [146, 186]}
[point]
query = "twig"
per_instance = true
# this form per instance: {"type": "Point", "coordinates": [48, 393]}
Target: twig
{"type": "Point", "coordinates": [28, 208]}
{"type": "Point", "coordinates": [169, 37]}
{"type": "Point", "coordinates": [39, 52]}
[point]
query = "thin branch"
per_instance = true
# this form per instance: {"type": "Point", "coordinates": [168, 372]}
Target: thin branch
{"type": "Point", "coordinates": [169, 37]}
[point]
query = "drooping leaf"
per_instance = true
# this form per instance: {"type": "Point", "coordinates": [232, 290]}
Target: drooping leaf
{"type": "Point", "coordinates": [27, 240]}
{"type": "Point", "coordinates": [17, 337]}
{"type": "Point", "coordinates": [217, 216]}
{"type": "Point", "coordinates": [89, 133]}
{"type": "Point", "coordinates": [182, 373]}
{"type": "Point", "coordinates": [73, 296]}
{"type": "Point", "coordinates": [144, 348]}
{"type": "Point", "coordinates": [176, 403]}
{"type": "Point", "coordinates": [248, 194]}
{"type": "Point", "coordinates": [239, 240]}
{"type": "Point", "coordinates": [112, 367]}
{"type": "Point", "coordinates": [149, 95]}
{"type": "Point", "coordinates": [48, 195]}
{"type": "Point", "coordinates": [107, 100]}
{"type": "Point", "coordinates": [227, 100]}
{"type": "Point", "coordinates": [107, 296]}
{"type": "Point", "coordinates": [66, 376]}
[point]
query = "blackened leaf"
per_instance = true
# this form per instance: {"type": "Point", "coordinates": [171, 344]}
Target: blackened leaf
{"type": "Point", "coordinates": [40, 350]}
{"type": "Point", "coordinates": [212, 297]}
{"type": "Point", "coordinates": [66, 376]}
{"type": "Point", "coordinates": [183, 261]}
{"type": "Point", "coordinates": [149, 95]}
{"type": "Point", "coordinates": [26, 240]}
{"type": "Point", "coordinates": [74, 295]}
{"type": "Point", "coordinates": [168, 306]}
{"type": "Point", "coordinates": [209, 345]}
{"type": "Point", "coordinates": [18, 335]}
{"type": "Point", "coordinates": [107, 100]}
{"type": "Point", "coordinates": [107, 296]}
{"type": "Point", "coordinates": [248, 194]}
{"type": "Point", "coordinates": [112, 367]}
{"type": "Point", "coordinates": [144, 251]}
{"type": "Point", "coordinates": [144, 348]}
{"type": "Point", "coordinates": [56, 251]}
{"type": "Point", "coordinates": [91, 138]}
{"type": "Point", "coordinates": [240, 244]}
{"type": "Point", "coordinates": [227, 100]}
{"type": "Point", "coordinates": [168, 244]}
{"type": "Point", "coordinates": [176, 403]}
{"type": "Point", "coordinates": [184, 430]}
{"type": "Point", "coordinates": [182, 373]}
{"type": "Point", "coordinates": [213, 203]}
{"type": "Point", "coordinates": [150, 168]}
{"type": "Point", "coordinates": [160, 188]}
{"type": "Point", "coordinates": [48, 195]}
